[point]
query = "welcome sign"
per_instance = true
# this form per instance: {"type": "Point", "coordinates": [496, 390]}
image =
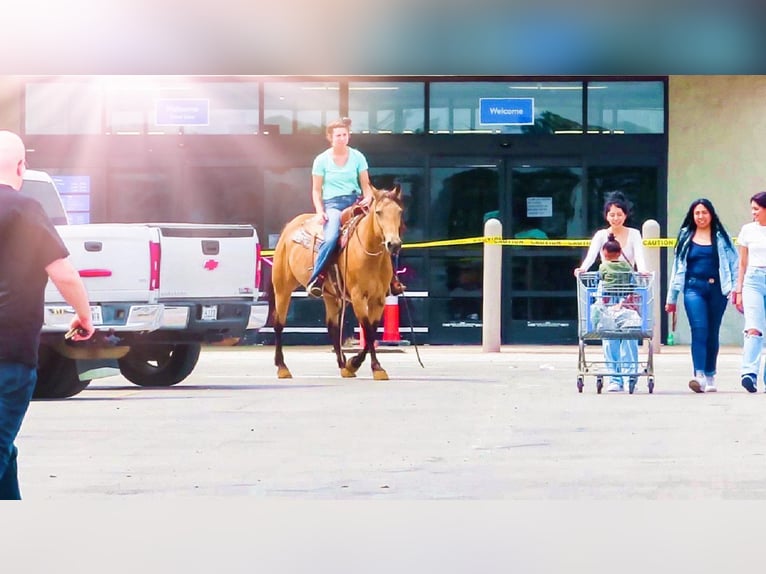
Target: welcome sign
{"type": "Point", "coordinates": [507, 111]}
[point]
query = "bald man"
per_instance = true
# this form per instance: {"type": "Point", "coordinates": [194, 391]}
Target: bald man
{"type": "Point", "coordinates": [31, 251]}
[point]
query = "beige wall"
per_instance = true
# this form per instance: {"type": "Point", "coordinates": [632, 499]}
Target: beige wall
{"type": "Point", "coordinates": [717, 149]}
{"type": "Point", "coordinates": [10, 103]}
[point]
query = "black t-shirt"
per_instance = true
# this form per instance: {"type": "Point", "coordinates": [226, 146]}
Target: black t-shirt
{"type": "Point", "coordinates": [28, 244]}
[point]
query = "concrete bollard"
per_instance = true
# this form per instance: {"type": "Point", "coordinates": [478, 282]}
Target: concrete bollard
{"type": "Point", "coordinates": [492, 295]}
{"type": "Point", "coordinates": [651, 230]}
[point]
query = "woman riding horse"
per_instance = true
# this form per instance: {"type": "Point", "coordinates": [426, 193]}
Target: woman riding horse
{"type": "Point", "coordinates": [363, 278]}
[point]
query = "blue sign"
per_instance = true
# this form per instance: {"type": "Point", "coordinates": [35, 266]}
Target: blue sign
{"type": "Point", "coordinates": [182, 112]}
{"type": "Point", "coordinates": [75, 195]}
{"type": "Point", "coordinates": [507, 111]}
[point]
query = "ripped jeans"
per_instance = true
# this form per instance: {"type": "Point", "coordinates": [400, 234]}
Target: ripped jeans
{"type": "Point", "coordinates": [754, 304]}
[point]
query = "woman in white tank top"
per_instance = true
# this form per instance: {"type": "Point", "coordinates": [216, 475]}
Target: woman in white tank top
{"type": "Point", "coordinates": [621, 355]}
{"type": "Point", "coordinates": [750, 289]}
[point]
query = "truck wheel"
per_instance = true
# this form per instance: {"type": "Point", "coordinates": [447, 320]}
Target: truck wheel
{"type": "Point", "coordinates": [56, 376]}
{"type": "Point", "coordinates": [159, 365]}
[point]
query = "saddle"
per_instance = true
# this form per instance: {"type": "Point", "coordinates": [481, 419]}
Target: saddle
{"type": "Point", "coordinates": [311, 233]}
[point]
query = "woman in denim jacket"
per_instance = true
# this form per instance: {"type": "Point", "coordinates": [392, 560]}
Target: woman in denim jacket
{"type": "Point", "coordinates": [705, 269]}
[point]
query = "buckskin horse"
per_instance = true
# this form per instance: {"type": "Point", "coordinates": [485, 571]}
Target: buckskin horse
{"type": "Point", "coordinates": [361, 276]}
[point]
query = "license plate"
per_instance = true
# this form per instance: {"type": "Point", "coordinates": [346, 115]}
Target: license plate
{"type": "Point", "coordinates": [95, 314]}
{"type": "Point", "coordinates": [209, 312]}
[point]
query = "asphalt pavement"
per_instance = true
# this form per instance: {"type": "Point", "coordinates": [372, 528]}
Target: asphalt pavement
{"type": "Point", "coordinates": [467, 425]}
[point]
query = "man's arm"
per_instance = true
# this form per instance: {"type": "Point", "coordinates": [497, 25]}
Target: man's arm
{"type": "Point", "coordinates": [68, 282]}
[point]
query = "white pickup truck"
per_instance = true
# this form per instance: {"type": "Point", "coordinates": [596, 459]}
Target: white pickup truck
{"type": "Point", "coordinates": [158, 292]}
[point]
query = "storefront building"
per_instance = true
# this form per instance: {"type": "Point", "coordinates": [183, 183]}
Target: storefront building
{"type": "Point", "coordinates": [538, 153]}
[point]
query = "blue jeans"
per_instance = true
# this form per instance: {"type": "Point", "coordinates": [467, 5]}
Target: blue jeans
{"type": "Point", "coordinates": [705, 306]}
{"type": "Point", "coordinates": [333, 208]}
{"type": "Point", "coordinates": [754, 303]}
{"type": "Point", "coordinates": [17, 382]}
{"type": "Point", "coordinates": [621, 357]}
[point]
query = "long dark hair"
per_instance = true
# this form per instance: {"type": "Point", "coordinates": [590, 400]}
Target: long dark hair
{"type": "Point", "coordinates": [689, 226]}
{"type": "Point", "coordinates": [618, 200]}
{"type": "Point", "coordinates": [759, 198]}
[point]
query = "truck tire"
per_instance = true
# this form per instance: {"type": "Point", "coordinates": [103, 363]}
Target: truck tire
{"type": "Point", "coordinates": [56, 376]}
{"type": "Point", "coordinates": [159, 365]}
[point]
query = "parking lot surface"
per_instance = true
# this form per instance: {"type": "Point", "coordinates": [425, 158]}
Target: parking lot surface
{"type": "Point", "coordinates": [469, 425]}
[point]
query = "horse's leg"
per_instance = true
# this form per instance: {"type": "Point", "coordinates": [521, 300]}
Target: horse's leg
{"type": "Point", "coordinates": [332, 319]}
{"type": "Point", "coordinates": [281, 305]}
{"type": "Point", "coordinates": [353, 363]}
{"type": "Point", "coordinates": [378, 372]}
{"type": "Point", "coordinates": [372, 320]}
{"type": "Point", "coordinates": [281, 291]}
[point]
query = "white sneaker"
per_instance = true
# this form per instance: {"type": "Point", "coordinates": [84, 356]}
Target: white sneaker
{"type": "Point", "coordinates": [710, 384]}
{"type": "Point", "coordinates": [697, 384]}
{"type": "Point", "coordinates": [614, 388]}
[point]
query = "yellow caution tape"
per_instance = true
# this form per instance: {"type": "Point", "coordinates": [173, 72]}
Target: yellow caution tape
{"type": "Point", "coordinates": [497, 240]}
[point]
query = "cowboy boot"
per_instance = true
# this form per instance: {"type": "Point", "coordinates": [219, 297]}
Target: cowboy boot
{"type": "Point", "coordinates": [397, 287]}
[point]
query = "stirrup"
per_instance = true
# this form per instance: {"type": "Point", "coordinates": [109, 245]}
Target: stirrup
{"type": "Point", "coordinates": [314, 289]}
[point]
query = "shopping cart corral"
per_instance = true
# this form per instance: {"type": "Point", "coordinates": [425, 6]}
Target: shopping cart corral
{"type": "Point", "coordinates": [622, 310]}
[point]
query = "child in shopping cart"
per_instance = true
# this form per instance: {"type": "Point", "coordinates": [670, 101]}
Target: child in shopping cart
{"type": "Point", "coordinates": [614, 310]}
{"type": "Point", "coordinates": [613, 272]}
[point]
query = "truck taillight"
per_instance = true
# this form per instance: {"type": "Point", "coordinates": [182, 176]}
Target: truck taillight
{"type": "Point", "coordinates": [257, 267]}
{"type": "Point", "coordinates": [154, 269]}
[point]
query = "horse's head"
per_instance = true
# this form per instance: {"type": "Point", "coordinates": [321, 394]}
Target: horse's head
{"type": "Point", "coordinates": [387, 210]}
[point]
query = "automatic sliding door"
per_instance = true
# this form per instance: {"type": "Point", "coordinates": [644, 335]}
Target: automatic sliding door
{"type": "Point", "coordinates": [462, 197]}
{"type": "Point", "coordinates": [546, 203]}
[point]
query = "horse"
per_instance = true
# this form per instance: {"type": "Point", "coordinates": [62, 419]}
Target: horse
{"type": "Point", "coordinates": [361, 275]}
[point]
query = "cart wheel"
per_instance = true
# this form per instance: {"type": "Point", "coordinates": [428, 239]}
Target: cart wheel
{"type": "Point", "coordinates": [632, 384]}
{"type": "Point", "coordinates": [580, 384]}
{"type": "Point", "coordinates": [651, 385]}
{"type": "Point", "coordinates": [599, 384]}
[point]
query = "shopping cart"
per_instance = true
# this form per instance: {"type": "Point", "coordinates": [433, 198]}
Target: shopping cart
{"type": "Point", "coordinates": [623, 310]}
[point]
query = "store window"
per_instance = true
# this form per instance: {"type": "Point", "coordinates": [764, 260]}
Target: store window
{"type": "Point", "coordinates": [638, 184]}
{"type": "Point", "coordinates": [387, 107]}
{"type": "Point", "coordinates": [626, 107]}
{"type": "Point", "coordinates": [300, 107]}
{"type": "Point", "coordinates": [63, 108]}
{"type": "Point", "coordinates": [549, 107]}
{"type": "Point", "coordinates": [286, 193]}
{"type": "Point", "coordinates": [170, 105]}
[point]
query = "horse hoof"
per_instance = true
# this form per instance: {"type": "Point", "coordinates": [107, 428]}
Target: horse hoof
{"type": "Point", "coordinates": [380, 375]}
{"type": "Point", "coordinates": [284, 374]}
{"type": "Point", "coordinates": [347, 374]}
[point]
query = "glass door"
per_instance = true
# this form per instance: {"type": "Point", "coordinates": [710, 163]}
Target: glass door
{"type": "Point", "coordinates": [546, 201]}
{"type": "Point", "coordinates": [463, 195]}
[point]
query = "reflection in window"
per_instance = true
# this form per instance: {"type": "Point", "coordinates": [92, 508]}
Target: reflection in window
{"type": "Point", "coordinates": [454, 106]}
{"type": "Point", "coordinates": [169, 105]}
{"type": "Point", "coordinates": [386, 107]}
{"type": "Point", "coordinates": [543, 269]}
{"type": "Point", "coordinates": [222, 195]}
{"type": "Point", "coordinates": [547, 203]}
{"type": "Point", "coordinates": [286, 193]}
{"type": "Point", "coordinates": [461, 200]}
{"type": "Point", "coordinates": [63, 108]}
{"type": "Point", "coordinates": [300, 107]}
{"type": "Point", "coordinates": [639, 184]}
{"type": "Point", "coordinates": [413, 193]}
{"type": "Point", "coordinates": [136, 197]}
{"type": "Point", "coordinates": [535, 309]}
{"type": "Point", "coordinates": [626, 107]}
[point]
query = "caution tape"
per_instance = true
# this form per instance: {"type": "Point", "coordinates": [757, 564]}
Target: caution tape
{"type": "Point", "coordinates": [496, 240]}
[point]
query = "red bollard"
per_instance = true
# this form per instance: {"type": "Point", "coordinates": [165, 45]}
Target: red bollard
{"type": "Point", "coordinates": [391, 334]}
{"type": "Point", "coordinates": [362, 340]}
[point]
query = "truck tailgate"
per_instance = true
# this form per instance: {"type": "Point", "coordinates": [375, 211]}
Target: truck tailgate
{"type": "Point", "coordinates": [207, 261]}
{"type": "Point", "coordinates": [113, 260]}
